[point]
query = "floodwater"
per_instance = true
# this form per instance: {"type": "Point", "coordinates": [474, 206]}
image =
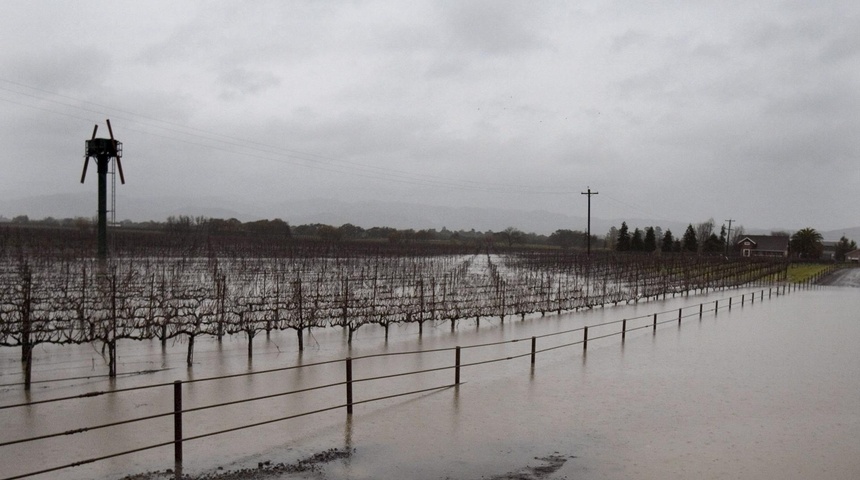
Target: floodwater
{"type": "Point", "coordinates": [767, 390]}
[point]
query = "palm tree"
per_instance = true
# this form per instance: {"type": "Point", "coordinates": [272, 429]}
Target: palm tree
{"type": "Point", "coordinates": [806, 243]}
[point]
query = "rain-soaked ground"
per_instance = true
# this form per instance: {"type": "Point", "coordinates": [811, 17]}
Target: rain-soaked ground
{"type": "Point", "coordinates": [767, 390]}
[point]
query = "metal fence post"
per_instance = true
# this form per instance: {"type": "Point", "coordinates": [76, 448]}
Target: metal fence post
{"type": "Point", "coordinates": [457, 365]}
{"type": "Point", "coordinates": [585, 339]}
{"type": "Point", "coordinates": [177, 428]}
{"type": "Point", "coordinates": [534, 350]}
{"type": "Point", "coordinates": [655, 323]}
{"type": "Point", "coordinates": [349, 385]}
{"type": "Point", "coordinates": [679, 315]}
{"type": "Point", "coordinates": [623, 329]}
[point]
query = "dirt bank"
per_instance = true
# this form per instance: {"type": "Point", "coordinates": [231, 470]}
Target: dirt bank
{"type": "Point", "coordinates": [313, 467]}
{"type": "Point", "coordinates": [265, 470]}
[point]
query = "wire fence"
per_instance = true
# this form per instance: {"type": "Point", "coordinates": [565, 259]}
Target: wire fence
{"type": "Point", "coordinates": [349, 382]}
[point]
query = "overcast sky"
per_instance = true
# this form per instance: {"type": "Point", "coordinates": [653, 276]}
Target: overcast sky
{"type": "Point", "coordinates": [682, 110]}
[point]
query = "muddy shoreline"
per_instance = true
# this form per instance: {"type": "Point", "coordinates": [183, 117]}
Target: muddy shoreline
{"type": "Point", "coordinates": [314, 467]}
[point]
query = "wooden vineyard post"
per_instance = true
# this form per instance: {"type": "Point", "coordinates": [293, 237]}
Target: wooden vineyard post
{"type": "Point", "coordinates": [654, 326]}
{"type": "Point", "coordinates": [457, 365]}
{"type": "Point", "coordinates": [349, 385]}
{"type": "Point", "coordinates": [585, 339]}
{"type": "Point", "coordinates": [679, 316]}
{"type": "Point", "coordinates": [177, 428]}
{"type": "Point", "coordinates": [623, 329]}
{"type": "Point", "coordinates": [534, 351]}
{"type": "Point", "coordinates": [26, 326]}
{"type": "Point", "coordinates": [112, 334]}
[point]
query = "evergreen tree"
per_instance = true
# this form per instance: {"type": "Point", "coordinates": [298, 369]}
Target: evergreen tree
{"type": "Point", "coordinates": [668, 242]}
{"type": "Point", "coordinates": [637, 244]}
{"type": "Point", "coordinates": [689, 242]}
{"type": "Point", "coordinates": [623, 242]}
{"type": "Point", "coordinates": [843, 247]}
{"type": "Point", "coordinates": [650, 240]}
{"type": "Point", "coordinates": [713, 244]}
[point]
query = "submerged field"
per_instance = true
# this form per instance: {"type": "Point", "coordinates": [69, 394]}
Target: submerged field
{"type": "Point", "coordinates": [71, 300]}
{"type": "Point", "coordinates": [761, 390]}
{"type": "Point", "coordinates": [72, 325]}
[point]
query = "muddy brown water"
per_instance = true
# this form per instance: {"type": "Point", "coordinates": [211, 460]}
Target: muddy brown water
{"type": "Point", "coordinates": [767, 390]}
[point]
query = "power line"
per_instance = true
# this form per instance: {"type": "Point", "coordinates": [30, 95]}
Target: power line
{"type": "Point", "coordinates": [227, 143]}
{"type": "Point", "coordinates": [652, 215]}
{"type": "Point", "coordinates": [238, 146]}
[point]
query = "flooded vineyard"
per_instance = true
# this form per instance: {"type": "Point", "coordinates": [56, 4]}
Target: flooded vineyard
{"type": "Point", "coordinates": [762, 389]}
{"type": "Point", "coordinates": [115, 335]}
{"type": "Point", "coordinates": [72, 301]}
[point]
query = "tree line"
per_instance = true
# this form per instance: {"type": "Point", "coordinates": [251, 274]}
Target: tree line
{"type": "Point", "coordinates": [189, 228]}
{"type": "Point", "coordinates": [701, 239]}
{"type": "Point", "coordinates": [804, 244]}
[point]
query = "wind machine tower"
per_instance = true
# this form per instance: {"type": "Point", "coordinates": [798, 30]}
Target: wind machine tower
{"type": "Point", "coordinates": [103, 150]}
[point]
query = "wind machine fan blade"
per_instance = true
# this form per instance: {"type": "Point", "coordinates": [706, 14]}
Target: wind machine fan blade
{"type": "Point", "coordinates": [119, 167]}
{"type": "Point", "coordinates": [113, 140]}
{"type": "Point", "coordinates": [86, 162]}
{"type": "Point", "coordinates": [116, 153]}
{"type": "Point", "coordinates": [87, 158]}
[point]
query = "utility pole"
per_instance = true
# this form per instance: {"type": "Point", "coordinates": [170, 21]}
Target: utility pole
{"type": "Point", "coordinates": [728, 235]}
{"type": "Point", "coordinates": [589, 193]}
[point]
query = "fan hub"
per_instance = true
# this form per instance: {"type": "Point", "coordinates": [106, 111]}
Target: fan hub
{"type": "Point", "coordinates": [99, 147]}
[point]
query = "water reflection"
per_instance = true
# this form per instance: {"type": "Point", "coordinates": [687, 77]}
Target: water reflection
{"type": "Point", "coordinates": [347, 440]}
{"type": "Point", "coordinates": [639, 408]}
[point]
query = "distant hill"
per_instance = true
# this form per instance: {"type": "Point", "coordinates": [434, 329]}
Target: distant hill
{"type": "Point", "coordinates": [849, 233]}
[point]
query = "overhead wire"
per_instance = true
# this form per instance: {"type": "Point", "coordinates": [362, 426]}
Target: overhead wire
{"type": "Point", "coordinates": [227, 143]}
{"type": "Point", "coordinates": [650, 215]}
